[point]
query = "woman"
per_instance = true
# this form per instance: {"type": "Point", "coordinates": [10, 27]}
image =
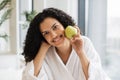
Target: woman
{"type": "Point", "coordinates": [50, 55]}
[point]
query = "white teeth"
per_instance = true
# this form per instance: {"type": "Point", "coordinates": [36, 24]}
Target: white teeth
{"type": "Point", "coordinates": [56, 39]}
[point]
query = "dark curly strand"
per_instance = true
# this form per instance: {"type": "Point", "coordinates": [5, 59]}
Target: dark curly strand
{"type": "Point", "coordinates": [34, 37]}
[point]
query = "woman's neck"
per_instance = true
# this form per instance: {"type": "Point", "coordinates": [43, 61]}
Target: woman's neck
{"type": "Point", "coordinates": [64, 51]}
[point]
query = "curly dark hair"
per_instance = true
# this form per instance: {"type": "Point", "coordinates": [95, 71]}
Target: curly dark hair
{"type": "Point", "coordinates": [34, 37]}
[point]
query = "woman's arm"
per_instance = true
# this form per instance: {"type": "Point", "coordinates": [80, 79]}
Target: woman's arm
{"type": "Point", "coordinates": [84, 62]}
{"type": "Point", "coordinates": [40, 57]}
{"type": "Point", "coordinates": [78, 45]}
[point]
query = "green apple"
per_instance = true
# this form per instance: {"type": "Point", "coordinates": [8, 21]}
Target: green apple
{"type": "Point", "coordinates": [70, 32]}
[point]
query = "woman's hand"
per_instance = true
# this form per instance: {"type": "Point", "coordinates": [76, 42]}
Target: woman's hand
{"type": "Point", "coordinates": [77, 42]}
{"type": "Point", "coordinates": [45, 45]}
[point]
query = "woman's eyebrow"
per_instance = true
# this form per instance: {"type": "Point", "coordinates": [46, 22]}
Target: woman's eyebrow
{"type": "Point", "coordinates": [50, 28]}
{"type": "Point", "coordinates": [53, 25]}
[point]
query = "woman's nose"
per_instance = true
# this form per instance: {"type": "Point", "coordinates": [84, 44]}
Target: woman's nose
{"type": "Point", "coordinates": [53, 34]}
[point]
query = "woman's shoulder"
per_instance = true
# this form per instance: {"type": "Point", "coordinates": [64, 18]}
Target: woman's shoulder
{"type": "Point", "coordinates": [87, 41]}
{"type": "Point", "coordinates": [85, 38]}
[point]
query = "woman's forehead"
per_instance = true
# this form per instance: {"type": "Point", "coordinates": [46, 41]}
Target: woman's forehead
{"type": "Point", "coordinates": [48, 23]}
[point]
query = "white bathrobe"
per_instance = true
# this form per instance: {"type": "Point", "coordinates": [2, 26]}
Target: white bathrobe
{"type": "Point", "coordinates": [54, 69]}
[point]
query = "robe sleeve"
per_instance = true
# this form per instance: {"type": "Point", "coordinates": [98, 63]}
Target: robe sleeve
{"type": "Point", "coordinates": [95, 70]}
{"type": "Point", "coordinates": [28, 73]}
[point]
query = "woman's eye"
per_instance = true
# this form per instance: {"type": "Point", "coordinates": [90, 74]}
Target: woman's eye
{"type": "Point", "coordinates": [55, 27]}
{"type": "Point", "coordinates": [45, 33]}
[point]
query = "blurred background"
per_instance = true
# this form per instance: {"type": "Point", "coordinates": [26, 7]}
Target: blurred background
{"type": "Point", "coordinates": [98, 19]}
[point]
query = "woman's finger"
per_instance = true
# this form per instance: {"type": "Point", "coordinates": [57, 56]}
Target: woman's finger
{"type": "Point", "coordinates": [78, 29]}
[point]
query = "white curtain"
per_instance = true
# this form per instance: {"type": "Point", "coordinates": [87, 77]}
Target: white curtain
{"type": "Point", "coordinates": [96, 24]}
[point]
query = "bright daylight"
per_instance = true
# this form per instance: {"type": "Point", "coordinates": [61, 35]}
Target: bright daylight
{"type": "Point", "coordinates": [48, 53]}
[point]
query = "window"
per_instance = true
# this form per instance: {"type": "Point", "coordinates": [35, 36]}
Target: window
{"type": "Point", "coordinates": [4, 25]}
{"type": "Point", "coordinates": [103, 28]}
{"type": "Point", "coordinates": [113, 37]}
{"type": "Point", "coordinates": [22, 28]}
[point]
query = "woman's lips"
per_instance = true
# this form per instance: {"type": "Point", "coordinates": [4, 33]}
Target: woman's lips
{"type": "Point", "coordinates": [57, 39]}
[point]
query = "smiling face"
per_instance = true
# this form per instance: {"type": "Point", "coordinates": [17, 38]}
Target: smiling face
{"type": "Point", "coordinates": [53, 31]}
